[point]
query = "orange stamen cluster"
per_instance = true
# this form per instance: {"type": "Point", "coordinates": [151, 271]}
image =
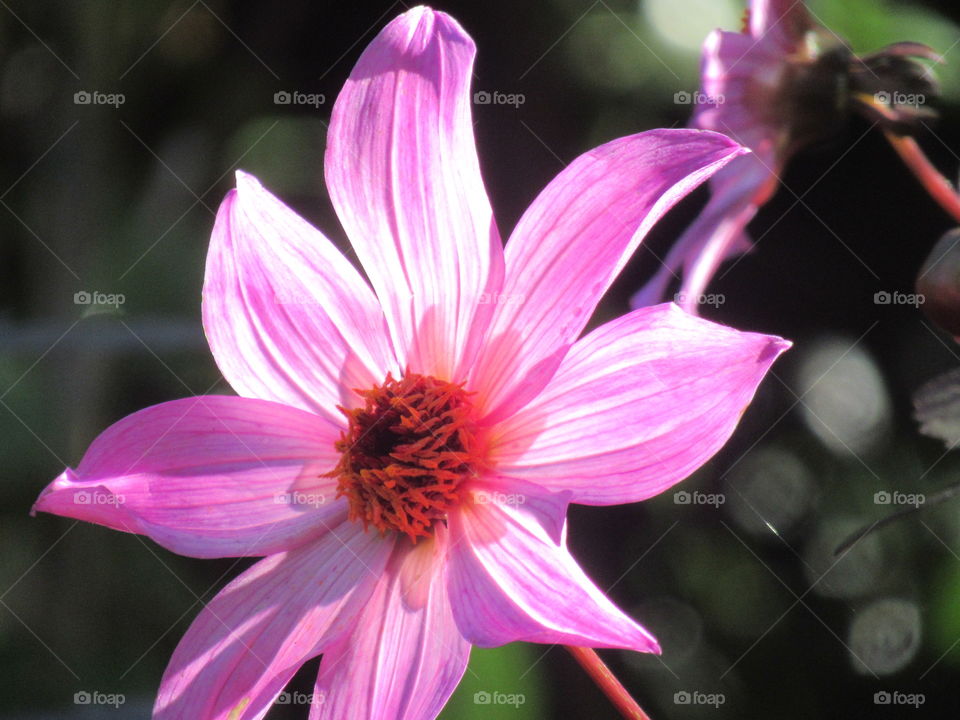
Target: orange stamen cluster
{"type": "Point", "coordinates": [406, 453]}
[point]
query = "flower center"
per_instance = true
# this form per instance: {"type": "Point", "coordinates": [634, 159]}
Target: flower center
{"type": "Point", "coordinates": [405, 454]}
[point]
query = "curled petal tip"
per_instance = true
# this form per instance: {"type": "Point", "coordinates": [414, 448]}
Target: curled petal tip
{"type": "Point", "coordinates": [779, 345]}
{"type": "Point", "coordinates": [419, 11]}
{"type": "Point", "coordinates": [419, 24]}
{"type": "Point", "coordinates": [246, 181]}
{"type": "Point", "coordinates": [63, 481]}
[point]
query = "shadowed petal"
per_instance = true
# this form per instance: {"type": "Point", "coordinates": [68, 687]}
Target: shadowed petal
{"type": "Point", "coordinates": [402, 172]}
{"type": "Point", "coordinates": [286, 315]}
{"type": "Point", "coordinates": [509, 581]}
{"type": "Point", "coordinates": [210, 476]}
{"type": "Point", "coordinates": [255, 634]}
{"type": "Point", "coordinates": [574, 240]}
{"type": "Point", "coordinates": [636, 406]}
{"type": "Point", "coordinates": [741, 77]}
{"type": "Point", "coordinates": [720, 231]}
{"type": "Point", "coordinates": [717, 234]}
{"type": "Point", "coordinates": [405, 655]}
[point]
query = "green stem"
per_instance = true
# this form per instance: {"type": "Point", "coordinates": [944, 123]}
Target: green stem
{"type": "Point", "coordinates": [607, 682]}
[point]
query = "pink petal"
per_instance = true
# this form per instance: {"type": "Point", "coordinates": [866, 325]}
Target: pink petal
{"type": "Point", "coordinates": [402, 172]}
{"type": "Point", "coordinates": [287, 317]}
{"type": "Point", "coordinates": [248, 642]}
{"type": "Point", "coordinates": [636, 406]}
{"type": "Point", "coordinates": [509, 581]}
{"type": "Point", "coordinates": [549, 508]}
{"type": "Point", "coordinates": [405, 655]}
{"type": "Point", "coordinates": [574, 240]}
{"type": "Point", "coordinates": [209, 476]}
{"type": "Point", "coordinates": [781, 21]}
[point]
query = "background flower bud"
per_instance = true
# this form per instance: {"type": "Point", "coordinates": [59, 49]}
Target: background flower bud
{"type": "Point", "coordinates": [939, 283]}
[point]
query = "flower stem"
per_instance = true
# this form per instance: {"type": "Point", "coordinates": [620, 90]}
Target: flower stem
{"type": "Point", "coordinates": [607, 682]}
{"type": "Point", "coordinates": [933, 182]}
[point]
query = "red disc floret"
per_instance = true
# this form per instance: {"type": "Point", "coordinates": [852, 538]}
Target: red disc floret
{"type": "Point", "coordinates": [406, 453]}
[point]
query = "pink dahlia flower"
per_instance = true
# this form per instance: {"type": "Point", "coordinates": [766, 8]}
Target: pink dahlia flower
{"type": "Point", "coordinates": [781, 84]}
{"type": "Point", "coordinates": [403, 452]}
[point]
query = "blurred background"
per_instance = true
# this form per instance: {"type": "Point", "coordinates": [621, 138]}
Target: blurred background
{"type": "Point", "coordinates": [737, 578]}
